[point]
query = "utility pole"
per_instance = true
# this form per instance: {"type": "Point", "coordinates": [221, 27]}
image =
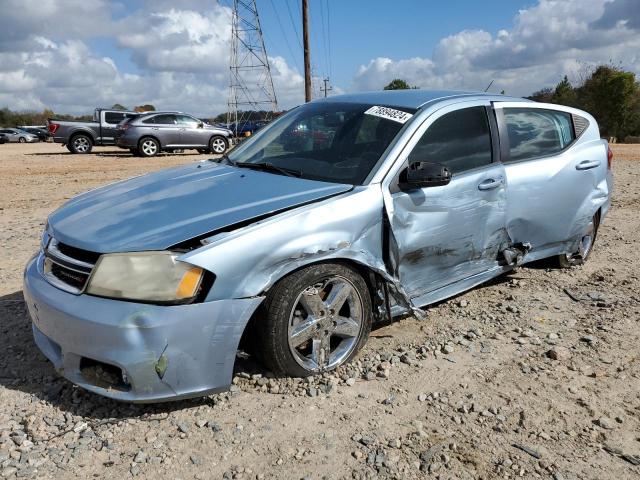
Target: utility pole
{"type": "Point", "coordinates": [307, 57]}
{"type": "Point", "coordinates": [325, 89]}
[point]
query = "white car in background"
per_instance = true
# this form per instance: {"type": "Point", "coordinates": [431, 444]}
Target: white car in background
{"type": "Point", "coordinates": [19, 136]}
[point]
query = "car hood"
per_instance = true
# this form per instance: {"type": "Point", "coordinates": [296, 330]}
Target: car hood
{"type": "Point", "coordinates": [162, 209]}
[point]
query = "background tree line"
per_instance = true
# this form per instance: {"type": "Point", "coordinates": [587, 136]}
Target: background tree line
{"type": "Point", "coordinates": [609, 93]}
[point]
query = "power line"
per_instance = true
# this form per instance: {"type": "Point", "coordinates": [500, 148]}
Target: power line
{"type": "Point", "coordinates": [284, 36]}
{"type": "Point", "coordinates": [293, 23]}
{"type": "Point", "coordinates": [324, 39]}
{"type": "Point", "coordinates": [329, 37]}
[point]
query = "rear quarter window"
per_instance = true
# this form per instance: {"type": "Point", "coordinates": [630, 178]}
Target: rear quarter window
{"type": "Point", "coordinates": [536, 132]}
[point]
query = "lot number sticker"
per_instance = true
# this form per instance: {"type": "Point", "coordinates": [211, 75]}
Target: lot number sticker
{"type": "Point", "coordinates": [389, 113]}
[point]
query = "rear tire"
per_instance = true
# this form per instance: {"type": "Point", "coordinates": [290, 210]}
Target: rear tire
{"type": "Point", "coordinates": [80, 143]}
{"type": "Point", "coordinates": [148, 147]}
{"type": "Point", "coordinates": [218, 145]}
{"type": "Point", "coordinates": [568, 260]}
{"type": "Point", "coordinates": [314, 320]}
{"type": "Point", "coordinates": [22, 140]}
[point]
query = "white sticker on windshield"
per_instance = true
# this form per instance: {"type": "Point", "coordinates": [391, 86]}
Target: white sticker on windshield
{"type": "Point", "coordinates": [389, 113]}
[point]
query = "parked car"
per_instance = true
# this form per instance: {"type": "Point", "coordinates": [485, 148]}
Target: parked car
{"type": "Point", "coordinates": [81, 137]}
{"type": "Point", "coordinates": [18, 135]}
{"type": "Point", "coordinates": [241, 129]}
{"type": "Point", "coordinates": [297, 248]}
{"type": "Point", "coordinates": [148, 135]}
{"type": "Point", "coordinates": [42, 134]}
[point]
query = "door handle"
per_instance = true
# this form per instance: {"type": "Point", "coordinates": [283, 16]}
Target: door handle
{"type": "Point", "coordinates": [155, 128]}
{"type": "Point", "coordinates": [182, 129]}
{"type": "Point", "coordinates": [490, 184]}
{"type": "Point", "coordinates": [587, 164]}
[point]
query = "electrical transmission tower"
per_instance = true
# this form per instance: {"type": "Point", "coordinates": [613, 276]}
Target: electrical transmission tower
{"type": "Point", "coordinates": [251, 85]}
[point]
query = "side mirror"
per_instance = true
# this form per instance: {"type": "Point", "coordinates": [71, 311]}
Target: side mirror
{"type": "Point", "coordinates": [424, 174]}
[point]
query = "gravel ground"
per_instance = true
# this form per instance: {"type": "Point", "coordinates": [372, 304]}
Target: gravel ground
{"type": "Point", "coordinates": [534, 375]}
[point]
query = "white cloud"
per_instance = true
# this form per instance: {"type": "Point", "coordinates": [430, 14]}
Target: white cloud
{"type": "Point", "coordinates": [548, 40]}
{"type": "Point", "coordinates": [181, 52]}
{"type": "Point", "coordinates": [180, 48]}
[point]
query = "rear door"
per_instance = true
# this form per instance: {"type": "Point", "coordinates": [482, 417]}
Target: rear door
{"type": "Point", "coordinates": [164, 127]}
{"type": "Point", "coordinates": [449, 233]}
{"type": "Point", "coordinates": [551, 177]}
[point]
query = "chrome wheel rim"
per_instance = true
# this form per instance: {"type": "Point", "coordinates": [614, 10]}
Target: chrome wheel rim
{"type": "Point", "coordinates": [149, 147]}
{"type": "Point", "coordinates": [218, 145]}
{"type": "Point", "coordinates": [586, 242]}
{"type": "Point", "coordinates": [81, 144]}
{"type": "Point", "coordinates": [325, 324]}
{"type": "Point", "coordinates": [22, 140]}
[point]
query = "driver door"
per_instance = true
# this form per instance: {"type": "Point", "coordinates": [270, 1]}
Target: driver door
{"type": "Point", "coordinates": [449, 233]}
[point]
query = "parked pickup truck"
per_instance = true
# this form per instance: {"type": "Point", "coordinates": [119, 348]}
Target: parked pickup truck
{"type": "Point", "coordinates": [80, 137]}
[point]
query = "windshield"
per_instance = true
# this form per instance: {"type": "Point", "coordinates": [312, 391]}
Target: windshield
{"type": "Point", "coordinates": [332, 142]}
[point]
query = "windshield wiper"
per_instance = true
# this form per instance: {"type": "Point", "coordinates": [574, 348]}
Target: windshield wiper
{"type": "Point", "coordinates": [269, 167]}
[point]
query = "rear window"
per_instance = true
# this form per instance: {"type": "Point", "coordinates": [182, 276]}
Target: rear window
{"type": "Point", "coordinates": [113, 117]}
{"type": "Point", "coordinates": [536, 132]}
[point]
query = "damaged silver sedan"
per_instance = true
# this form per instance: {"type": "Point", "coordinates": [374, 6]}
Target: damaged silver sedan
{"type": "Point", "coordinates": [342, 213]}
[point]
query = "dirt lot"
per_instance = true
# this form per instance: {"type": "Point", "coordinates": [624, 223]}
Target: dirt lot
{"type": "Point", "coordinates": [495, 405]}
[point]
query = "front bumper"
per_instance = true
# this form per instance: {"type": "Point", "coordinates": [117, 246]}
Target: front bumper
{"type": "Point", "coordinates": [165, 352]}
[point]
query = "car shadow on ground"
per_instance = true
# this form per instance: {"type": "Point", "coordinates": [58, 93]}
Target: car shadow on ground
{"type": "Point", "coordinates": [23, 367]}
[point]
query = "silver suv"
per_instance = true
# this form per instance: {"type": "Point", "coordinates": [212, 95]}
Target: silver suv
{"type": "Point", "coordinates": [148, 135]}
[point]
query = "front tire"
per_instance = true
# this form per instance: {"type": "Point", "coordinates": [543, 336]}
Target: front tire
{"type": "Point", "coordinates": [218, 145]}
{"type": "Point", "coordinates": [314, 320]}
{"type": "Point", "coordinates": [22, 140]}
{"type": "Point", "coordinates": [148, 147]}
{"type": "Point", "coordinates": [80, 144]}
{"type": "Point", "coordinates": [568, 260]}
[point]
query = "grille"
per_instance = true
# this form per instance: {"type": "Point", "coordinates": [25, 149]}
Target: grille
{"type": "Point", "coordinates": [68, 268]}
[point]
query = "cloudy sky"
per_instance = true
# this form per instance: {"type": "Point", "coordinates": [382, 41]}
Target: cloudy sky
{"type": "Point", "coordinates": [73, 55]}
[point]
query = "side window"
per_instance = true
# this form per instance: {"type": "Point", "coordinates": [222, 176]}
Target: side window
{"type": "Point", "coordinates": [460, 140]}
{"type": "Point", "coordinates": [161, 120]}
{"type": "Point", "coordinates": [536, 132]}
{"type": "Point", "coordinates": [187, 120]}
{"type": "Point", "coordinates": [113, 117]}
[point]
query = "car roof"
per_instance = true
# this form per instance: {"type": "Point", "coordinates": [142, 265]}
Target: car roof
{"type": "Point", "coordinates": [412, 98]}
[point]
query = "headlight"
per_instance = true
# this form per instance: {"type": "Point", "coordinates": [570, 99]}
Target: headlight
{"type": "Point", "coordinates": [145, 276]}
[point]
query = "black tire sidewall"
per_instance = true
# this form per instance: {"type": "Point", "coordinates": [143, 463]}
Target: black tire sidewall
{"type": "Point", "coordinates": [71, 147]}
{"type": "Point", "coordinates": [573, 262]}
{"type": "Point", "coordinates": [226, 144]}
{"type": "Point", "coordinates": [141, 151]}
{"type": "Point", "coordinates": [272, 326]}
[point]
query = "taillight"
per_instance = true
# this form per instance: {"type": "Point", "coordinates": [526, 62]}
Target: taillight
{"type": "Point", "coordinates": [609, 157]}
{"type": "Point", "coordinates": [53, 128]}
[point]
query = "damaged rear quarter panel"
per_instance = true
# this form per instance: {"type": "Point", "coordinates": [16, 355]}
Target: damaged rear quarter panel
{"type": "Point", "coordinates": [248, 261]}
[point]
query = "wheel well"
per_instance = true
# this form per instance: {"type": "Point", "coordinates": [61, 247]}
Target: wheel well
{"type": "Point", "coordinates": [598, 216]}
{"type": "Point", "coordinates": [373, 280]}
{"type": "Point", "coordinates": [218, 135]}
{"type": "Point", "coordinates": [150, 136]}
{"type": "Point", "coordinates": [85, 134]}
